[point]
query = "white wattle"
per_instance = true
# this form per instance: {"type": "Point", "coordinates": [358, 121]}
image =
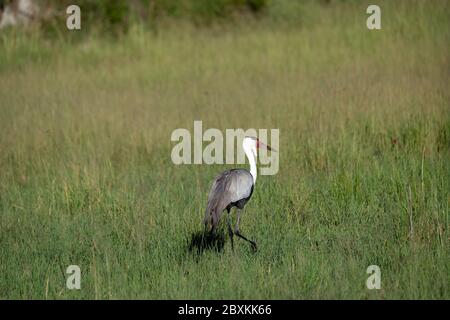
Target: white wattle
{"type": "Point", "coordinates": [251, 160]}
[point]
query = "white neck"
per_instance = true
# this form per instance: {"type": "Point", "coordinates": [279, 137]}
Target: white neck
{"type": "Point", "coordinates": [252, 160]}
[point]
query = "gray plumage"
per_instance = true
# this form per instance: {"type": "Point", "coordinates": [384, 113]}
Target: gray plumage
{"type": "Point", "coordinates": [232, 188]}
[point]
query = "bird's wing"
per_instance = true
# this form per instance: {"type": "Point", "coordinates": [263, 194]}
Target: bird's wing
{"type": "Point", "coordinates": [228, 187]}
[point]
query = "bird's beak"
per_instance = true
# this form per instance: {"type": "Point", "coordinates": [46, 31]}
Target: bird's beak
{"type": "Point", "coordinates": [265, 146]}
{"type": "Point", "coordinates": [271, 149]}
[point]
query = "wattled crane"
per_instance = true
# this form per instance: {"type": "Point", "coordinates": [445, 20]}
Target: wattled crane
{"type": "Point", "coordinates": [233, 188]}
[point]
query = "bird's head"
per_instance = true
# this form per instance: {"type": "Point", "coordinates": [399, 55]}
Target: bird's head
{"type": "Point", "coordinates": [254, 144]}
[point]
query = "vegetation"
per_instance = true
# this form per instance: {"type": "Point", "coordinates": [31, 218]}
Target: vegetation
{"type": "Point", "coordinates": [86, 176]}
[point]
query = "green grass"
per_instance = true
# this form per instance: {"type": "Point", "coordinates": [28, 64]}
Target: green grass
{"type": "Point", "coordinates": [86, 176]}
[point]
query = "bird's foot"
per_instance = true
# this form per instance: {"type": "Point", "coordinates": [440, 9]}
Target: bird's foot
{"type": "Point", "coordinates": [254, 246]}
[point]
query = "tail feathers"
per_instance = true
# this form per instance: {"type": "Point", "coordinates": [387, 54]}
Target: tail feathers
{"type": "Point", "coordinates": [211, 219]}
{"type": "Point", "coordinates": [207, 219]}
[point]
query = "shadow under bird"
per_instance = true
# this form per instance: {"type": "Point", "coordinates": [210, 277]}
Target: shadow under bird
{"type": "Point", "coordinates": [234, 188]}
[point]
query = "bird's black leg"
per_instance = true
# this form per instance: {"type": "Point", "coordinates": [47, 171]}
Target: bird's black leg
{"type": "Point", "coordinates": [253, 243]}
{"type": "Point", "coordinates": [238, 233]}
{"type": "Point", "coordinates": [230, 230]}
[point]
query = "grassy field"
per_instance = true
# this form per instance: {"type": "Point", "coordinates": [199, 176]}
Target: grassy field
{"type": "Point", "coordinates": [86, 176]}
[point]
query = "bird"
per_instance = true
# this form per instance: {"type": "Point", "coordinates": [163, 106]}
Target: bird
{"type": "Point", "coordinates": [234, 188]}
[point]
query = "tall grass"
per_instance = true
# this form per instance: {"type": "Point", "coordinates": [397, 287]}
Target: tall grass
{"type": "Point", "coordinates": [86, 176]}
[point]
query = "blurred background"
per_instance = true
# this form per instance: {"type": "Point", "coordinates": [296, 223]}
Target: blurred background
{"type": "Point", "coordinates": [117, 16]}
